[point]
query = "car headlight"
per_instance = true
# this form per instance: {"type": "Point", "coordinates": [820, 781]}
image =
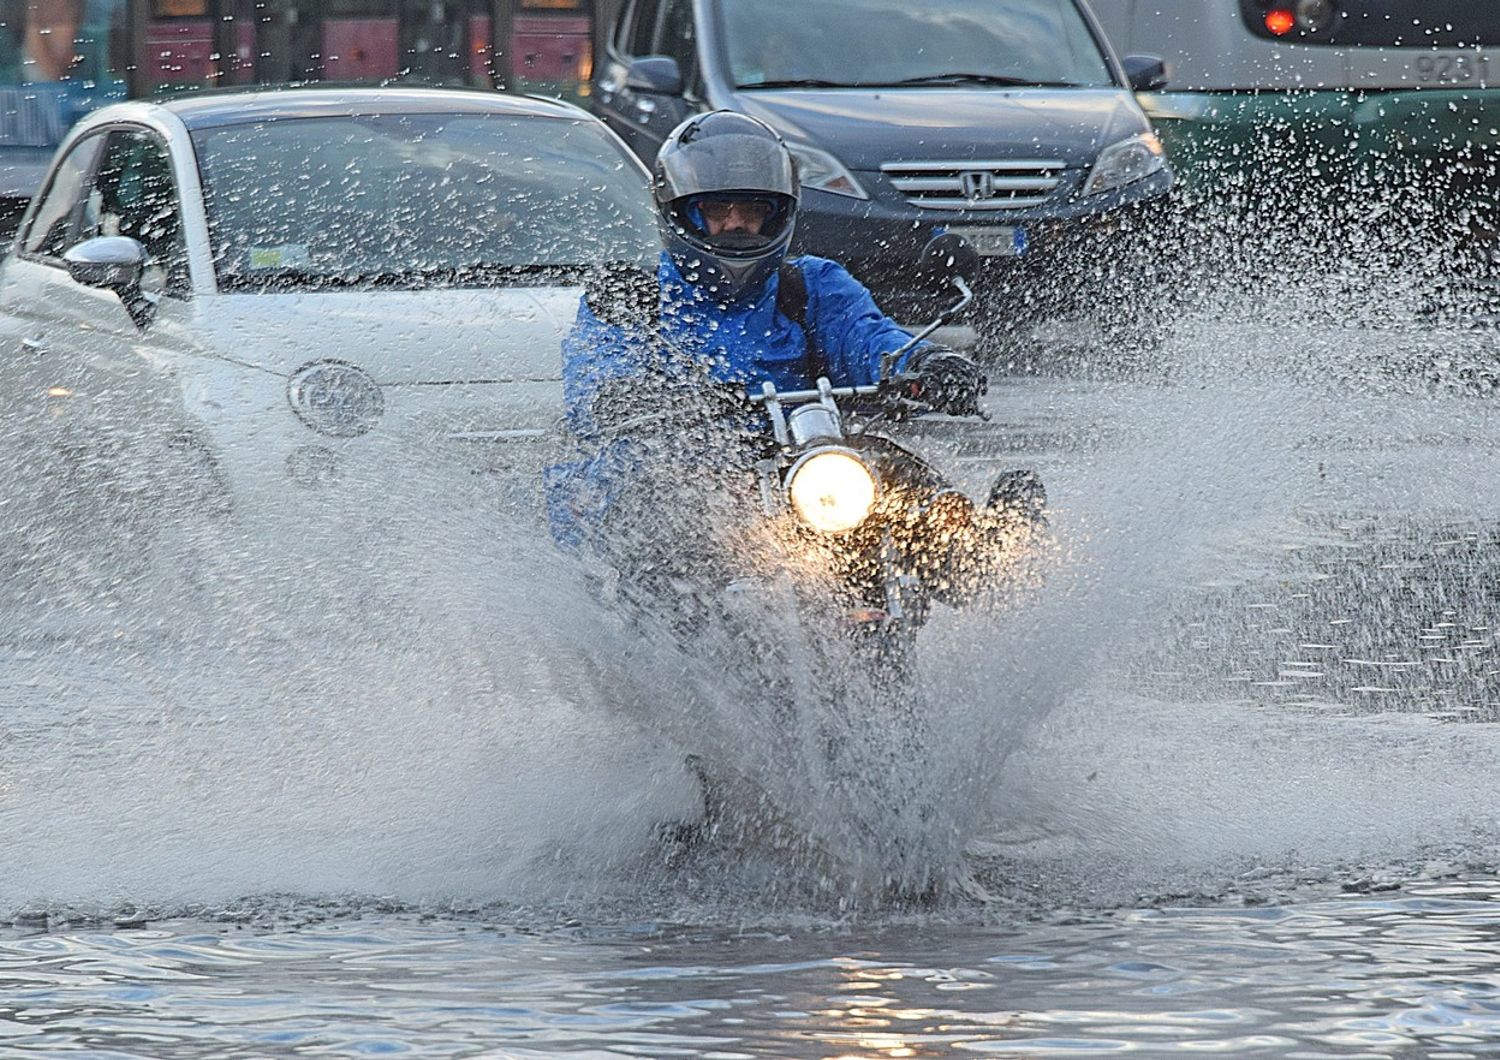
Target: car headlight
{"type": "Point", "coordinates": [833, 490]}
{"type": "Point", "coordinates": [819, 170]}
{"type": "Point", "coordinates": [1125, 163]}
{"type": "Point", "coordinates": [335, 398]}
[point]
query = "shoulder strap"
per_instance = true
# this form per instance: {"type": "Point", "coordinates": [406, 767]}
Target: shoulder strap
{"type": "Point", "coordinates": [791, 300]}
{"type": "Point", "coordinates": [791, 294]}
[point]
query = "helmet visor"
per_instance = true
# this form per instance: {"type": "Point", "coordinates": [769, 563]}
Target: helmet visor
{"type": "Point", "coordinates": [734, 223]}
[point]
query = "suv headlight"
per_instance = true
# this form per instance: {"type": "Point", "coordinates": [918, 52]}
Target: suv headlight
{"type": "Point", "coordinates": [820, 170]}
{"type": "Point", "coordinates": [1125, 163]}
{"type": "Point", "coordinates": [335, 398]}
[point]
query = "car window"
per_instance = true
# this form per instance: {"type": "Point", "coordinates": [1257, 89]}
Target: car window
{"type": "Point", "coordinates": [54, 227]}
{"type": "Point", "coordinates": [133, 194]}
{"type": "Point", "coordinates": [419, 200]}
{"type": "Point", "coordinates": [622, 31]}
{"type": "Point", "coordinates": [678, 38]}
{"type": "Point", "coordinates": [888, 42]}
{"type": "Point", "coordinates": [640, 27]}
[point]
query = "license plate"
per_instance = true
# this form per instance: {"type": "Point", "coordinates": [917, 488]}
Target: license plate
{"type": "Point", "coordinates": [1452, 69]}
{"type": "Point", "coordinates": [1397, 68]}
{"type": "Point", "coordinates": [995, 241]}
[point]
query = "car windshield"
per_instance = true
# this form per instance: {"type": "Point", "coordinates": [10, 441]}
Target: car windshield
{"type": "Point", "coordinates": [418, 200]}
{"type": "Point", "coordinates": [898, 42]}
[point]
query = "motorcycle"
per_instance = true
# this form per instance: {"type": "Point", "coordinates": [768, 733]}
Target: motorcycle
{"type": "Point", "coordinates": [814, 548]}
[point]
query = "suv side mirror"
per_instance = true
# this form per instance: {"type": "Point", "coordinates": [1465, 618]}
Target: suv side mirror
{"type": "Point", "coordinates": [654, 74]}
{"type": "Point", "coordinates": [1146, 73]}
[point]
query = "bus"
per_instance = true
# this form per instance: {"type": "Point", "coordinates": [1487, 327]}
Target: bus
{"type": "Point", "coordinates": [1297, 87]}
{"type": "Point", "coordinates": [1350, 143]}
{"type": "Point", "coordinates": [61, 58]}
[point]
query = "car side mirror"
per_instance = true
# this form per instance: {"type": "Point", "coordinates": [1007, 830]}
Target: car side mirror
{"type": "Point", "coordinates": [657, 75]}
{"type": "Point", "coordinates": [1146, 73]}
{"type": "Point", "coordinates": [114, 263]}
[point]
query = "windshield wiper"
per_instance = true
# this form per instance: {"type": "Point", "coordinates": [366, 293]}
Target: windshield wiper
{"type": "Point", "coordinates": [481, 274]}
{"type": "Point", "coordinates": [980, 79]}
{"type": "Point", "coordinates": [800, 82]}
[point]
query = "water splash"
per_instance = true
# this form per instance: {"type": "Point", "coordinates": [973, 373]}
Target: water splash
{"type": "Point", "coordinates": [380, 705]}
{"type": "Point", "coordinates": [412, 694]}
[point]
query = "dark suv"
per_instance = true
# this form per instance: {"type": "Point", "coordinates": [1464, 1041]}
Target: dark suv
{"type": "Point", "coordinates": [1010, 121]}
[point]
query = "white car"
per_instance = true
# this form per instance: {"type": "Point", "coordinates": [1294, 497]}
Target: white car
{"type": "Point", "coordinates": [279, 292]}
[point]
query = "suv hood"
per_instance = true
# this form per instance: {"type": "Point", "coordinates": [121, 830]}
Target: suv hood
{"type": "Point", "coordinates": [866, 127]}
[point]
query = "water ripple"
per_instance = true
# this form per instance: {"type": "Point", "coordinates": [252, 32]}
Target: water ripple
{"type": "Point", "coordinates": [1351, 976]}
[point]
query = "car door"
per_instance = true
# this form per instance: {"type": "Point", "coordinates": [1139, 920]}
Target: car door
{"type": "Point", "coordinates": [83, 390]}
{"type": "Point", "coordinates": [677, 38]}
{"type": "Point", "coordinates": [642, 118]}
{"type": "Point", "coordinates": [621, 106]}
{"type": "Point", "coordinates": [43, 313]}
{"type": "Point", "coordinates": [37, 302]}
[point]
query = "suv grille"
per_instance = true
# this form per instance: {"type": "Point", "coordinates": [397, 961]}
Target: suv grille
{"type": "Point", "coordinates": [1007, 185]}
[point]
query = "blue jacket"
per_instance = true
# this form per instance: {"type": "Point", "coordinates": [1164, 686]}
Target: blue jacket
{"type": "Point", "coordinates": [747, 342]}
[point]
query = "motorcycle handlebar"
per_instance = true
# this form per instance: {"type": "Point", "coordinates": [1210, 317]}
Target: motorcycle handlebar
{"type": "Point", "coordinates": [799, 397]}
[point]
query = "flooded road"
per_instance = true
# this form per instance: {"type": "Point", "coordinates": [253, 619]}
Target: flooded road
{"type": "Point", "coordinates": [1363, 976]}
{"type": "Point", "coordinates": [1226, 782]}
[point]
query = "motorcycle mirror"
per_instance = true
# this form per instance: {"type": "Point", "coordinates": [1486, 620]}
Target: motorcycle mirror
{"type": "Point", "coordinates": [948, 255]}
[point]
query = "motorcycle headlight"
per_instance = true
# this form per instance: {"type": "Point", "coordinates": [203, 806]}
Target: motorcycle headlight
{"type": "Point", "coordinates": [1125, 163]}
{"type": "Point", "coordinates": [335, 398]}
{"type": "Point", "coordinates": [820, 170]}
{"type": "Point", "coordinates": [832, 490]}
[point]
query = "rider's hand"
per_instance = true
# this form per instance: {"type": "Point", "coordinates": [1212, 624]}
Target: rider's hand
{"type": "Point", "coordinates": [944, 381]}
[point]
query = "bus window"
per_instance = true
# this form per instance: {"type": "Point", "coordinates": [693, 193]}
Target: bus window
{"type": "Point", "coordinates": [551, 47]}
{"type": "Point", "coordinates": [435, 43]}
{"type": "Point", "coordinates": [179, 51]}
{"type": "Point", "coordinates": [61, 58]}
{"type": "Point", "coordinates": [44, 42]}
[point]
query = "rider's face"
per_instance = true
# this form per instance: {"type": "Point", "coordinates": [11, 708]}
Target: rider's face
{"type": "Point", "coordinates": [735, 215]}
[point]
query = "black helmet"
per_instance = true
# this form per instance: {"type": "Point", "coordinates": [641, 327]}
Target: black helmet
{"type": "Point", "coordinates": [726, 169]}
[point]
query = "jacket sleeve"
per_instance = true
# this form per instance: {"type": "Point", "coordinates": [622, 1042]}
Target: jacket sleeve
{"type": "Point", "coordinates": [595, 353]}
{"type": "Point", "coordinates": [849, 327]}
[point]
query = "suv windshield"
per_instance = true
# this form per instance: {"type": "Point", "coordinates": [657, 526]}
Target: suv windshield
{"type": "Point", "coordinates": [417, 199]}
{"type": "Point", "coordinates": [898, 42]}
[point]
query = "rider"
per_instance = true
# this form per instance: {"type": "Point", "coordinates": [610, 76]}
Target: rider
{"type": "Point", "coordinates": [728, 303]}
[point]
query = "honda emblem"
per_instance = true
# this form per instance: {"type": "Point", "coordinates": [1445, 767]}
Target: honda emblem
{"type": "Point", "coordinates": [977, 184]}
